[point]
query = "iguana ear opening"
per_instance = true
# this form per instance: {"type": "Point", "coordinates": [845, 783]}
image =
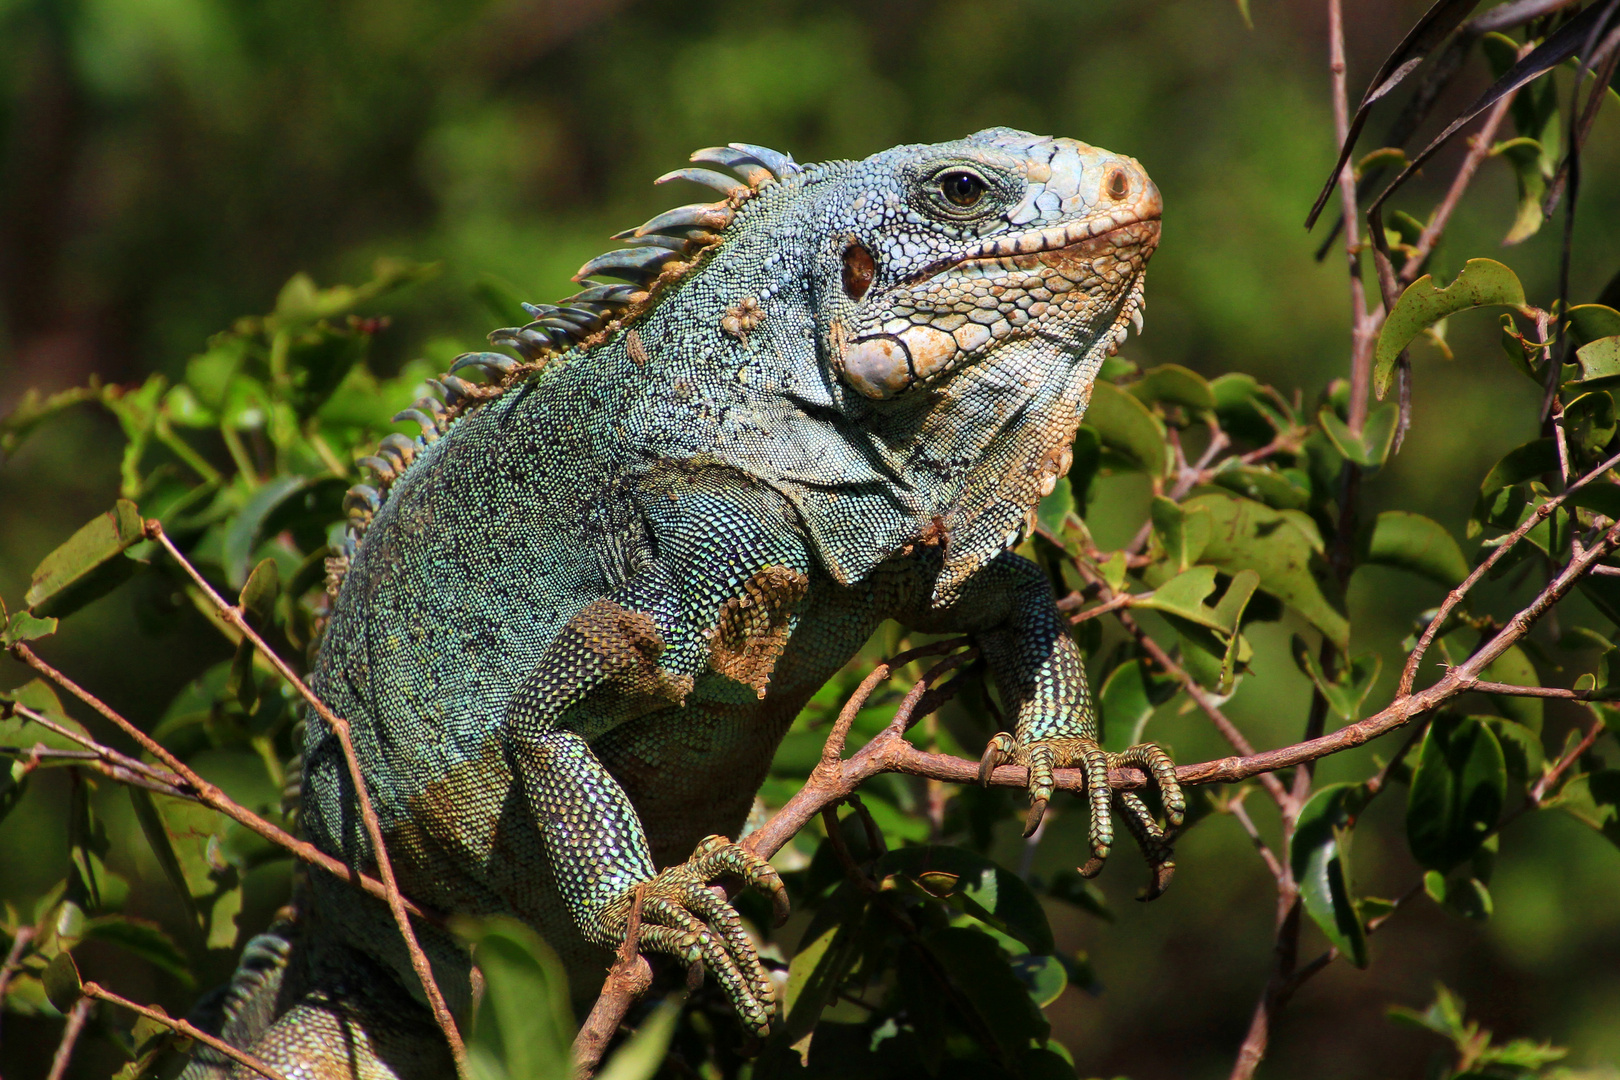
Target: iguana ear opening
{"type": "Point", "coordinates": [859, 269]}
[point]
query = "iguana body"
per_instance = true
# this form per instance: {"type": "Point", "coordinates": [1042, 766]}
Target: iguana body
{"type": "Point", "coordinates": [591, 600]}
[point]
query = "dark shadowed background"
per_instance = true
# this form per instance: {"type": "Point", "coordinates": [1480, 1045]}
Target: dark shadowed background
{"type": "Point", "coordinates": [165, 165]}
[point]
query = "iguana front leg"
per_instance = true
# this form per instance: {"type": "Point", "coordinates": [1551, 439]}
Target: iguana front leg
{"type": "Point", "coordinates": [719, 598]}
{"type": "Point", "coordinates": [603, 670]}
{"type": "Point", "coordinates": [1009, 609]}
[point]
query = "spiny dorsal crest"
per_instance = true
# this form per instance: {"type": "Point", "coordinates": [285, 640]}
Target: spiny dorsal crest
{"type": "Point", "coordinates": [657, 254]}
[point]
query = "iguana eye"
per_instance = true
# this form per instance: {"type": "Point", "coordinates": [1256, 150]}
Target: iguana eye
{"type": "Point", "coordinates": [961, 188]}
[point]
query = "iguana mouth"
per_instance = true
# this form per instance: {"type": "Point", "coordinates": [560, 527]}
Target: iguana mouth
{"type": "Point", "coordinates": [1057, 246]}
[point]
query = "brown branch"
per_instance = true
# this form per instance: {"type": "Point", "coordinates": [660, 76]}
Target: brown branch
{"type": "Point", "coordinates": [339, 727]}
{"type": "Point", "coordinates": [628, 978]}
{"type": "Point", "coordinates": [184, 1027]}
{"type": "Point", "coordinates": [70, 1037]}
{"type": "Point", "coordinates": [1363, 324]}
{"type": "Point", "coordinates": [1453, 598]}
{"type": "Point", "coordinates": [195, 787]}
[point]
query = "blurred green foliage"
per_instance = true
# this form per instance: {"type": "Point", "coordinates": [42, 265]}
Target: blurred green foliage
{"type": "Point", "coordinates": [169, 166]}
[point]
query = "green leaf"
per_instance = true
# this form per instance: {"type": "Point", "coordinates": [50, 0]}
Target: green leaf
{"type": "Point", "coordinates": [1412, 542]}
{"type": "Point", "coordinates": [1182, 535]}
{"type": "Point", "coordinates": [1372, 447]}
{"type": "Point", "coordinates": [1319, 854]}
{"type": "Point", "coordinates": [1174, 384]}
{"type": "Point", "coordinates": [1600, 362]}
{"type": "Point", "coordinates": [1589, 422]}
{"type": "Point", "coordinates": [1283, 548]}
{"type": "Point", "coordinates": [642, 1054]}
{"type": "Point", "coordinates": [973, 885]}
{"type": "Point", "coordinates": [1522, 754]}
{"type": "Point", "coordinates": [1183, 595]}
{"type": "Point", "coordinates": [1457, 791]}
{"type": "Point", "coordinates": [1129, 428]}
{"type": "Point", "coordinates": [25, 627]}
{"type": "Point", "coordinates": [246, 528]}
{"type": "Point", "coordinates": [1593, 799]}
{"type": "Point", "coordinates": [1589, 322]}
{"type": "Point", "coordinates": [979, 972]}
{"type": "Point", "coordinates": [1280, 489]}
{"type": "Point", "coordinates": [157, 838]}
{"type": "Point", "coordinates": [831, 946]}
{"type": "Point", "coordinates": [1525, 156]}
{"type": "Point", "coordinates": [525, 1021]}
{"type": "Point", "coordinates": [88, 565]}
{"type": "Point", "coordinates": [1043, 976]}
{"type": "Point", "coordinates": [1345, 694]}
{"type": "Point", "coordinates": [63, 986]}
{"type": "Point", "coordinates": [1483, 282]}
{"type": "Point", "coordinates": [1128, 698]}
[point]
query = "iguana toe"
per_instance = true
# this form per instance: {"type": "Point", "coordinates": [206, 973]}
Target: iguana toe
{"type": "Point", "coordinates": [682, 916]}
{"type": "Point", "coordinates": [1042, 756]}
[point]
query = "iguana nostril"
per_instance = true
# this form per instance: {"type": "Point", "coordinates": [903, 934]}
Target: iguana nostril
{"type": "Point", "coordinates": [858, 270]}
{"type": "Point", "coordinates": [1119, 185]}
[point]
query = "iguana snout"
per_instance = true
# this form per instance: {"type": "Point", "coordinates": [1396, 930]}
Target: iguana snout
{"type": "Point", "coordinates": [1001, 237]}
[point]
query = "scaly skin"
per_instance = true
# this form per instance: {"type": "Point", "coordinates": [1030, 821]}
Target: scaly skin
{"type": "Point", "coordinates": [580, 619]}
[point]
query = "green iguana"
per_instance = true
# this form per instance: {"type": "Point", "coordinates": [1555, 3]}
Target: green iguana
{"type": "Point", "coordinates": [578, 614]}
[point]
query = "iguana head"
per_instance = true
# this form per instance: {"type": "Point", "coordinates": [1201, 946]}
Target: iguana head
{"type": "Point", "coordinates": [984, 251]}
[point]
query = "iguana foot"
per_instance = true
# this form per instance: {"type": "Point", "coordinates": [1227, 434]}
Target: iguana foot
{"type": "Point", "coordinates": [682, 916]}
{"type": "Point", "coordinates": [1041, 756]}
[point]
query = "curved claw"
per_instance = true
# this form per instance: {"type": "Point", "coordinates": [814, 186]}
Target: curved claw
{"type": "Point", "coordinates": [996, 752]}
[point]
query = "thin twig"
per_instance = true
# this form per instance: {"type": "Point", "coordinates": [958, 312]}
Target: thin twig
{"type": "Point", "coordinates": [1236, 808]}
{"type": "Point", "coordinates": [70, 1037]}
{"type": "Point", "coordinates": [339, 727]}
{"type": "Point", "coordinates": [13, 962]}
{"type": "Point", "coordinates": [209, 795]}
{"type": "Point", "coordinates": [1453, 598]}
{"type": "Point", "coordinates": [1551, 776]}
{"type": "Point", "coordinates": [184, 1027]}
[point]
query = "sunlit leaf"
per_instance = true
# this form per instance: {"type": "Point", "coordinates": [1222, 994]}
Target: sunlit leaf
{"type": "Point", "coordinates": [1482, 282]}
{"type": "Point", "coordinates": [525, 1020]}
{"type": "Point", "coordinates": [90, 564]}
{"type": "Point", "coordinates": [1283, 548]}
{"type": "Point", "coordinates": [1421, 545]}
{"type": "Point", "coordinates": [1175, 385]}
{"type": "Point", "coordinates": [1128, 428]}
